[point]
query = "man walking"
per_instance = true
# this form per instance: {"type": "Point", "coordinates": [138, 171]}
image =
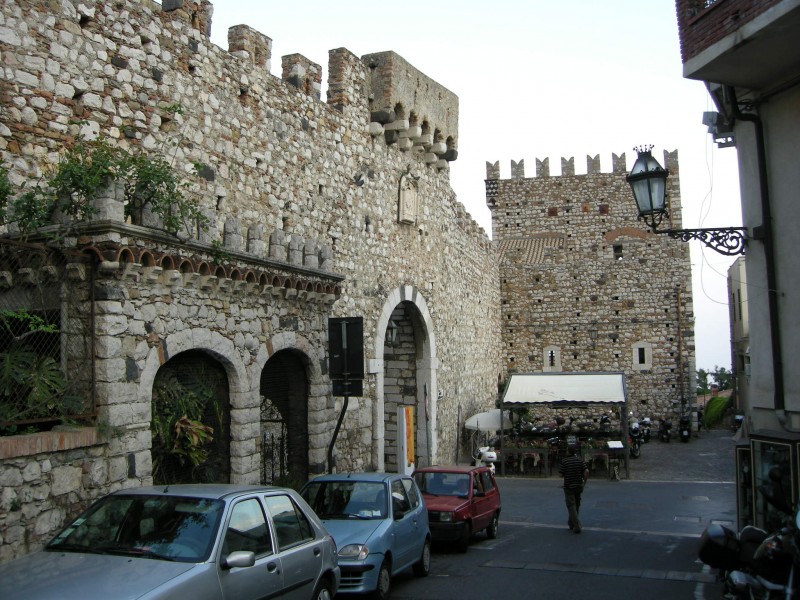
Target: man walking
{"type": "Point", "coordinates": [575, 473]}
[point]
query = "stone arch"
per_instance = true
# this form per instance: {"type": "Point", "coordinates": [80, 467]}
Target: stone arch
{"type": "Point", "coordinates": [239, 392]}
{"type": "Point", "coordinates": [426, 365]}
{"type": "Point", "coordinates": [318, 418]}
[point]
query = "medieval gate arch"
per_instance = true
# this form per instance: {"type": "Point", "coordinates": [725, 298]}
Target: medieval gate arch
{"type": "Point", "coordinates": [404, 364]}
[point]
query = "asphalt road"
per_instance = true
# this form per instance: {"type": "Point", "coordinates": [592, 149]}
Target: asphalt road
{"type": "Point", "coordinates": [639, 538]}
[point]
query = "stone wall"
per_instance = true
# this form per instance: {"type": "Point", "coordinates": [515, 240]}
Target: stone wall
{"type": "Point", "coordinates": [303, 197]}
{"type": "Point", "coordinates": [586, 288]}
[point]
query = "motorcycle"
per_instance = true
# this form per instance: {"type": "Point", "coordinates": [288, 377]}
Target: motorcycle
{"type": "Point", "coordinates": [635, 439]}
{"type": "Point", "coordinates": [665, 430]}
{"type": "Point", "coordinates": [487, 456]}
{"type": "Point", "coordinates": [646, 426]}
{"type": "Point", "coordinates": [684, 428]}
{"type": "Point", "coordinates": [754, 564]}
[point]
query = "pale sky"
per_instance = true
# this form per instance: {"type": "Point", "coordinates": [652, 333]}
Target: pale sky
{"type": "Point", "coordinates": [539, 79]}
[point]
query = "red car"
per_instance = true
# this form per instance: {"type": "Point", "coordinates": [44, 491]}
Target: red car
{"type": "Point", "coordinates": [460, 501]}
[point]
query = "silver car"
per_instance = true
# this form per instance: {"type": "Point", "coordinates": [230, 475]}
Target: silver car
{"type": "Point", "coordinates": [184, 541]}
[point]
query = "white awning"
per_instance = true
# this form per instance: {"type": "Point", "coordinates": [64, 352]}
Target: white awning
{"type": "Point", "coordinates": [571, 388]}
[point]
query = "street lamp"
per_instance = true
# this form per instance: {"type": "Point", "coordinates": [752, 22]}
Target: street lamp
{"type": "Point", "coordinates": [648, 180]}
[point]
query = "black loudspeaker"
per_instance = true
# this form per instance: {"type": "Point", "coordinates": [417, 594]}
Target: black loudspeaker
{"type": "Point", "coordinates": [346, 355]}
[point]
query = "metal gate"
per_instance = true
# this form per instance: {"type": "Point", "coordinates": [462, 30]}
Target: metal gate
{"type": "Point", "coordinates": [274, 452]}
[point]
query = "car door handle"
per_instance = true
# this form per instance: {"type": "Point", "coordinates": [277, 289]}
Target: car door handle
{"type": "Point", "coordinates": [317, 551]}
{"type": "Point", "coordinates": [272, 567]}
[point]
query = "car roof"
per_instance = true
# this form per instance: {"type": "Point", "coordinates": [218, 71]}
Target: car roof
{"type": "Point", "coordinates": [215, 491]}
{"type": "Point", "coordinates": [452, 469]}
{"type": "Point", "coordinates": [369, 476]}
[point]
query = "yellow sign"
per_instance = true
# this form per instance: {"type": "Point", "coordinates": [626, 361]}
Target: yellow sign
{"type": "Point", "coordinates": [409, 435]}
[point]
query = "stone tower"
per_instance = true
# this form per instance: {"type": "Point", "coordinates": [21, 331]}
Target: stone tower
{"type": "Point", "coordinates": [586, 288]}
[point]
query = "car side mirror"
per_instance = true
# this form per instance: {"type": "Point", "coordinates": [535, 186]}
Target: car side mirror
{"type": "Point", "coordinates": [239, 559]}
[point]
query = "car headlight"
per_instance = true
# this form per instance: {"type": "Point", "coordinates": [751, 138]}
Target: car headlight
{"type": "Point", "coordinates": [354, 552]}
{"type": "Point", "coordinates": [446, 517]}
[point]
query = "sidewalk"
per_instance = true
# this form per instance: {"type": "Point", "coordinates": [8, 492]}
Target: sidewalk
{"type": "Point", "coordinates": [708, 456]}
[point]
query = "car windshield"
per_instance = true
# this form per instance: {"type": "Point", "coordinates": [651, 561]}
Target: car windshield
{"type": "Point", "coordinates": [347, 499]}
{"type": "Point", "coordinates": [443, 484]}
{"type": "Point", "coordinates": [160, 527]}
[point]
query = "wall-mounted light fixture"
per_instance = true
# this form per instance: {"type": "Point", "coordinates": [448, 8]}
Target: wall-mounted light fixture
{"type": "Point", "coordinates": [593, 336]}
{"type": "Point", "coordinates": [391, 332]}
{"type": "Point", "coordinates": [648, 180]}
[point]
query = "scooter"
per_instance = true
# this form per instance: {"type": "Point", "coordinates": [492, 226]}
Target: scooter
{"type": "Point", "coordinates": [487, 456]}
{"type": "Point", "coordinates": [685, 428]}
{"type": "Point", "coordinates": [754, 564]}
{"type": "Point", "coordinates": [635, 439]}
{"type": "Point", "coordinates": [665, 430]}
{"type": "Point", "coordinates": [646, 427]}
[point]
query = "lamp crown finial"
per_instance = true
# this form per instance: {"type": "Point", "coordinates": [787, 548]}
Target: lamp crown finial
{"type": "Point", "coordinates": [644, 149]}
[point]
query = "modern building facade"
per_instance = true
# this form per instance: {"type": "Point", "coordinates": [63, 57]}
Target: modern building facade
{"type": "Point", "coordinates": [746, 53]}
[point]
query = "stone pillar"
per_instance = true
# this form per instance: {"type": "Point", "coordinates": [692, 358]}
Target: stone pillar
{"type": "Point", "coordinates": [296, 244]}
{"type": "Point", "coordinates": [232, 234]}
{"type": "Point", "coordinates": [543, 167]}
{"type": "Point", "coordinates": [346, 79]}
{"type": "Point", "coordinates": [303, 74]}
{"type": "Point", "coordinates": [246, 42]}
{"type": "Point", "coordinates": [277, 245]}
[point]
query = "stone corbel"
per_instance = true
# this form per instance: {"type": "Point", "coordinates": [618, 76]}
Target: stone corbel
{"type": "Point", "coordinates": [207, 282]}
{"type": "Point", "coordinates": [171, 277]}
{"type": "Point", "coordinates": [108, 267]}
{"type": "Point", "coordinates": [375, 129]}
{"type": "Point", "coordinates": [430, 158]}
{"type": "Point", "coordinates": [224, 284]}
{"type": "Point", "coordinates": [191, 280]}
{"type": "Point", "coordinates": [439, 148]}
{"type": "Point", "coordinates": [400, 125]}
{"type": "Point", "coordinates": [442, 164]}
{"type": "Point", "coordinates": [413, 132]}
{"type": "Point", "coordinates": [6, 280]}
{"type": "Point", "coordinates": [152, 274]}
{"type": "Point", "coordinates": [75, 271]}
{"type": "Point", "coordinates": [290, 293]}
{"type": "Point", "coordinates": [131, 271]}
{"type": "Point", "coordinates": [405, 144]}
{"type": "Point", "coordinates": [239, 286]}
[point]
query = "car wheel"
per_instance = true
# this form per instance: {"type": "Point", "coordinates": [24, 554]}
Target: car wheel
{"type": "Point", "coordinates": [323, 591]}
{"type": "Point", "coordinates": [491, 530]}
{"type": "Point", "coordinates": [463, 541]}
{"type": "Point", "coordinates": [423, 566]}
{"type": "Point", "coordinates": [384, 582]}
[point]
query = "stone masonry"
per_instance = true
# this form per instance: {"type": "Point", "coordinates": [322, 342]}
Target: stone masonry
{"type": "Point", "coordinates": [323, 209]}
{"type": "Point", "coordinates": [586, 288]}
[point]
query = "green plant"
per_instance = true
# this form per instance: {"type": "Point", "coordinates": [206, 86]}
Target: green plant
{"type": "Point", "coordinates": [32, 385]}
{"type": "Point", "coordinates": [190, 438]}
{"type": "Point", "coordinates": [715, 409]}
{"type": "Point", "coordinates": [179, 434]}
{"type": "Point", "coordinates": [5, 192]}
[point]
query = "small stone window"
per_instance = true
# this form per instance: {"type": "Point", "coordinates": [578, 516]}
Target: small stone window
{"type": "Point", "coordinates": [551, 359]}
{"type": "Point", "coordinates": [642, 356]}
{"type": "Point", "coordinates": [617, 251]}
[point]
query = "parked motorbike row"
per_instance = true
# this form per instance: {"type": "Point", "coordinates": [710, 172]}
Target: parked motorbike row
{"type": "Point", "coordinates": [755, 564]}
{"type": "Point", "coordinates": [640, 433]}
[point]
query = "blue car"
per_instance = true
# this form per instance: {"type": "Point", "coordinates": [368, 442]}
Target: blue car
{"type": "Point", "coordinates": [379, 523]}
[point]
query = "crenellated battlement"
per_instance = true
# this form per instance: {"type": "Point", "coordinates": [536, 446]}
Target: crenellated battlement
{"type": "Point", "coordinates": [618, 162]}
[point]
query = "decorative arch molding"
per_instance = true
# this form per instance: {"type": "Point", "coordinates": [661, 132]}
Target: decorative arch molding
{"type": "Point", "coordinates": [427, 365]}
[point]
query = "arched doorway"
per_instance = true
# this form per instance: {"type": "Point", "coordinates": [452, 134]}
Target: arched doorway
{"type": "Point", "coordinates": [190, 421]}
{"type": "Point", "coordinates": [284, 419]}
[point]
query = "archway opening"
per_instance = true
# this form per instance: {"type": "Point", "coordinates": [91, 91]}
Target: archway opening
{"type": "Point", "coordinates": [403, 385]}
{"type": "Point", "coordinates": [284, 419]}
{"type": "Point", "coordinates": [191, 421]}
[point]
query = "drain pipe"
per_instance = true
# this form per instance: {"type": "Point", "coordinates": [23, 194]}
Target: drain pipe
{"type": "Point", "coordinates": [765, 235]}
